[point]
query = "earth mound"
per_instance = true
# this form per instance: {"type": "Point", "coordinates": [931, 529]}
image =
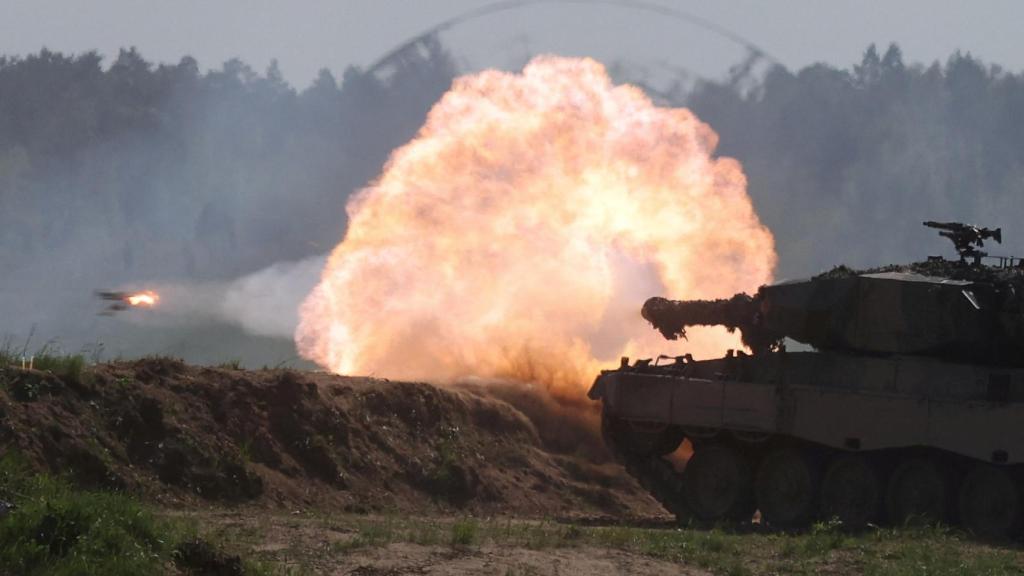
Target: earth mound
{"type": "Point", "coordinates": [184, 435]}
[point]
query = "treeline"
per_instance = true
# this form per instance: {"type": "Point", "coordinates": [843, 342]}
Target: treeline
{"type": "Point", "coordinates": [144, 170]}
{"type": "Point", "coordinates": [134, 170]}
{"type": "Point", "coordinates": [117, 172]}
{"type": "Point", "coordinates": [844, 164]}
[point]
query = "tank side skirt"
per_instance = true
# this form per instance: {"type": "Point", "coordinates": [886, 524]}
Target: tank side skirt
{"type": "Point", "coordinates": [834, 416]}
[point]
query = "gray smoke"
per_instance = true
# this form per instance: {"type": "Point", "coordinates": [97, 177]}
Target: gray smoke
{"type": "Point", "coordinates": [844, 164]}
{"type": "Point", "coordinates": [266, 303]}
{"type": "Point", "coordinates": [221, 190]}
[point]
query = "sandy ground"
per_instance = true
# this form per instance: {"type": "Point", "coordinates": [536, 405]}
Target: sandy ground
{"type": "Point", "coordinates": [413, 559]}
{"type": "Point", "coordinates": [320, 545]}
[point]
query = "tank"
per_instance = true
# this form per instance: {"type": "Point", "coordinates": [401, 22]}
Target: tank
{"type": "Point", "coordinates": [877, 396]}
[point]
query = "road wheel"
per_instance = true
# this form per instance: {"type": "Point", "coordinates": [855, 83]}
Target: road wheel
{"type": "Point", "coordinates": [918, 493]}
{"type": "Point", "coordinates": [989, 503]}
{"type": "Point", "coordinates": [717, 484]}
{"type": "Point", "coordinates": [851, 491]}
{"type": "Point", "coordinates": [786, 487]}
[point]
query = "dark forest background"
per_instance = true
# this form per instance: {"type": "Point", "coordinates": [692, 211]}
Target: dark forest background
{"type": "Point", "coordinates": [112, 173]}
{"type": "Point", "coordinates": [164, 172]}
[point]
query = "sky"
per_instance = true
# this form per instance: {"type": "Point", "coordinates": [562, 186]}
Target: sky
{"type": "Point", "coordinates": [305, 36]}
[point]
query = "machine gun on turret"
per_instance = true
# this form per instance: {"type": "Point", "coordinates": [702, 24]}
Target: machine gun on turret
{"type": "Point", "coordinates": [967, 238]}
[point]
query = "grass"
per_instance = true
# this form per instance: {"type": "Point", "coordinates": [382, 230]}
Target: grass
{"type": "Point", "coordinates": [933, 551]}
{"type": "Point", "coordinates": [69, 368]}
{"type": "Point", "coordinates": [233, 364]}
{"type": "Point", "coordinates": [66, 367]}
{"type": "Point", "coordinates": [58, 530]}
{"type": "Point", "coordinates": [464, 532]}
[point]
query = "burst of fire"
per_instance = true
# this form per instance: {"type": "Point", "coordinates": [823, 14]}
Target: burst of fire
{"type": "Point", "coordinates": [147, 298]}
{"type": "Point", "coordinates": [519, 233]}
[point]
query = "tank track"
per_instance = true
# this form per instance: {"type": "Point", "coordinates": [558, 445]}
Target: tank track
{"type": "Point", "coordinates": [660, 479]}
{"type": "Point", "coordinates": [968, 488]}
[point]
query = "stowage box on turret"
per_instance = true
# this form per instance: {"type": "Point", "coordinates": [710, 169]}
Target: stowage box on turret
{"type": "Point", "coordinates": [910, 405]}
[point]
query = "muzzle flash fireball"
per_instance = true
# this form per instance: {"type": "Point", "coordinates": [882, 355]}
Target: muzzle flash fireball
{"type": "Point", "coordinates": [513, 236]}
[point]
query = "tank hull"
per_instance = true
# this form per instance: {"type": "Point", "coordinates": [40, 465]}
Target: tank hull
{"type": "Point", "coordinates": [846, 402]}
{"type": "Point", "coordinates": [805, 435]}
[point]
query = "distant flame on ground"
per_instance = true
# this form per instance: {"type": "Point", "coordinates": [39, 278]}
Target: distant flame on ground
{"type": "Point", "coordinates": [519, 233]}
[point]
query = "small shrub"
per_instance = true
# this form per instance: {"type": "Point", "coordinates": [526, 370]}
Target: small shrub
{"type": "Point", "coordinates": [449, 478]}
{"type": "Point", "coordinates": [245, 451]}
{"type": "Point", "coordinates": [714, 541]}
{"type": "Point", "coordinates": [200, 557]}
{"type": "Point", "coordinates": [464, 532]}
{"type": "Point", "coordinates": [234, 364]}
{"type": "Point", "coordinates": [788, 549]}
{"type": "Point", "coordinates": [425, 534]}
{"type": "Point", "coordinates": [370, 535]}
{"type": "Point", "coordinates": [824, 537]}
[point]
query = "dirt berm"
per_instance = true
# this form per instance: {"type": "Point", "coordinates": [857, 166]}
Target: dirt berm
{"type": "Point", "coordinates": [184, 435]}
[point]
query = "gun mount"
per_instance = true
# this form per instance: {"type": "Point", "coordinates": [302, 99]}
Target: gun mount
{"type": "Point", "coordinates": [967, 238]}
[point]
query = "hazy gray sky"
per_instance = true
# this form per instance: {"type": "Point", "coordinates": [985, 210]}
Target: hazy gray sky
{"type": "Point", "coordinates": [307, 35]}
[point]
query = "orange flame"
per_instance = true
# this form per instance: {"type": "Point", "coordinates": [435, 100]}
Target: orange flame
{"type": "Point", "coordinates": [519, 233]}
{"type": "Point", "coordinates": [147, 298]}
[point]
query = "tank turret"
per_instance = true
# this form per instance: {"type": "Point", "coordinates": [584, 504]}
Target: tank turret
{"type": "Point", "coordinates": [962, 309]}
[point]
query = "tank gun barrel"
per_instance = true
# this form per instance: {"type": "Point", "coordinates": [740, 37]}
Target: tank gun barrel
{"type": "Point", "coordinates": [742, 311]}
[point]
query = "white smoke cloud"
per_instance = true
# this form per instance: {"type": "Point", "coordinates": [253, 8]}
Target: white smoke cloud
{"type": "Point", "coordinates": [263, 303]}
{"type": "Point", "coordinates": [266, 302]}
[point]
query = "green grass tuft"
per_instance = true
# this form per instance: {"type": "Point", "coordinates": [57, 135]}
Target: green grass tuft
{"type": "Point", "coordinates": [69, 368]}
{"type": "Point", "coordinates": [464, 532]}
{"type": "Point", "coordinates": [58, 530]}
{"type": "Point", "coordinates": [233, 364]}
